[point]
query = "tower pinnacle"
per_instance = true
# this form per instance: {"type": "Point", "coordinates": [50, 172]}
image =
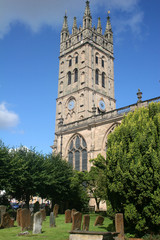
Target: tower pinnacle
{"type": "Point", "coordinates": [87, 18]}
{"type": "Point", "coordinates": [65, 24]}
{"type": "Point", "coordinates": [99, 27]}
{"type": "Point", "coordinates": [74, 28]}
{"type": "Point", "coordinates": [108, 32]}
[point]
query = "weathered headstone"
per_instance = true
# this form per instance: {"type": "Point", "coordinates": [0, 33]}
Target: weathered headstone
{"type": "Point", "coordinates": [36, 207]}
{"type": "Point", "coordinates": [73, 212]}
{"type": "Point", "coordinates": [43, 212]}
{"type": "Point", "coordinates": [52, 220]}
{"type": "Point", "coordinates": [119, 225]}
{"type": "Point", "coordinates": [2, 211]}
{"type": "Point", "coordinates": [31, 222]}
{"type": "Point", "coordinates": [68, 218]}
{"type": "Point", "coordinates": [99, 221]}
{"type": "Point", "coordinates": [55, 210]}
{"type": "Point", "coordinates": [77, 219]}
{"type": "Point", "coordinates": [18, 217]}
{"type": "Point", "coordinates": [86, 220]}
{"type": "Point", "coordinates": [37, 223]}
{"type": "Point", "coordinates": [7, 221]}
{"type": "Point", "coordinates": [25, 218]}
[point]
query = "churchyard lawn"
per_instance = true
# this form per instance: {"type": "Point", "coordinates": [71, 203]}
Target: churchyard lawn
{"type": "Point", "coordinates": [60, 232]}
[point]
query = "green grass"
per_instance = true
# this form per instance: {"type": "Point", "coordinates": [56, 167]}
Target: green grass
{"type": "Point", "coordinates": [60, 232]}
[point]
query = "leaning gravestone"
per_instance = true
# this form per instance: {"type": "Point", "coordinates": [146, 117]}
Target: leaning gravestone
{"type": "Point", "coordinates": [68, 218]}
{"type": "Point", "coordinates": [86, 220]}
{"type": "Point", "coordinates": [37, 223]}
{"type": "Point", "coordinates": [119, 225]}
{"type": "Point", "coordinates": [99, 221]}
{"type": "Point", "coordinates": [25, 218]}
{"type": "Point", "coordinates": [52, 220]}
{"type": "Point", "coordinates": [77, 219]}
{"type": "Point", "coordinates": [55, 210]}
{"type": "Point", "coordinates": [7, 221]}
{"type": "Point", "coordinates": [18, 217]}
{"type": "Point", "coordinates": [2, 211]}
{"type": "Point", "coordinates": [43, 212]}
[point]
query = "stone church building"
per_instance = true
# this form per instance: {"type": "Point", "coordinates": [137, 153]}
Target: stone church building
{"type": "Point", "coordinates": [86, 108]}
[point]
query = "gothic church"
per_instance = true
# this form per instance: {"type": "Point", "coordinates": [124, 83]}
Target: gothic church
{"type": "Point", "coordinates": [85, 109]}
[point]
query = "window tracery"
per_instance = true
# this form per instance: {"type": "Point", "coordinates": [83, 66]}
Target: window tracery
{"type": "Point", "coordinates": [77, 153]}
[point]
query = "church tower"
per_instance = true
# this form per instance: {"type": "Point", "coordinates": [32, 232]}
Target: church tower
{"type": "Point", "coordinates": [85, 89]}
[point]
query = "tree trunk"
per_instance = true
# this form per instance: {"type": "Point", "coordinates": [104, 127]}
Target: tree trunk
{"type": "Point", "coordinates": [27, 200]}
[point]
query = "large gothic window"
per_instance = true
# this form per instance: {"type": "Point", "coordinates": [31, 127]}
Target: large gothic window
{"type": "Point", "coordinates": [77, 153]}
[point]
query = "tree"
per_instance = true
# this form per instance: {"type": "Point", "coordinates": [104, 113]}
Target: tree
{"type": "Point", "coordinates": [25, 175]}
{"type": "Point", "coordinates": [4, 166]}
{"type": "Point", "coordinates": [133, 168]}
{"type": "Point", "coordinates": [57, 179]}
{"type": "Point", "coordinates": [96, 180]}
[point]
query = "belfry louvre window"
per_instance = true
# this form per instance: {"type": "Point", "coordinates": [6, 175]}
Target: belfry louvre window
{"type": "Point", "coordinates": [77, 153]}
{"type": "Point", "coordinates": [69, 78]}
{"type": "Point", "coordinates": [70, 62]}
{"type": "Point", "coordinates": [76, 75]}
{"type": "Point", "coordinates": [103, 79]}
{"type": "Point", "coordinates": [96, 76]}
{"type": "Point", "coordinates": [76, 59]}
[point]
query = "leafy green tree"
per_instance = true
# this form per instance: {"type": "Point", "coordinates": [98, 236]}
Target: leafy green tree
{"type": "Point", "coordinates": [96, 180]}
{"type": "Point", "coordinates": [25, 176]}
{"type": "Point", "coordinates": [79, 198]}
{"type": "Point", "coordinates": [133, 168]}
{"type": "Point", "coordinates": [57, 179]}
{"type": "Point", "coordinates": [4, 165]}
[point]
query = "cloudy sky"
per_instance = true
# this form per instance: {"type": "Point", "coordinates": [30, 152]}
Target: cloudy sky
{"type": "Point", "coordinates": [29, 50]}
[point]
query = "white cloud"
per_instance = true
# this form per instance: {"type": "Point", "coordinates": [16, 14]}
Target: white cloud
{"type": "Point", "coordinates": [7, 118]}
{"type": "Point", "coordinates": [36, 13]}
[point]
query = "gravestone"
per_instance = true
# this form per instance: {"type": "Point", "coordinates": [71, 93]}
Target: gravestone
{"type": "Point", "coordinates": [37, 223]}
{"type": "Point", "coordinates": [86, 220]}
{"type": "Point", "coordinates": [77, 219]}
{"type": "Point", "coordinates": [68, 218]}
{"type": "Point", "coordinates": [18, 217]}
{"type": "Point", "coordinates": [52, 220]}
{"type": "Point", "coordinates": [73, 212]}
{"type": "Point", "coordinates": [55, 210]}
{"type": "Point", "coordinates": [43, 212]}
{"type": "Point", "coordinates": [7, 221]}
{"type": "Point", "coordinates": [25, 218]}
{"type": "Point", "coordinates": [2, 211]}
{"type": "Point", "coordinates": [119, 225]}
{"type": "Point", "coordinates": [99, 221]}
{"type": "Point", "coordinates": [31, 222]}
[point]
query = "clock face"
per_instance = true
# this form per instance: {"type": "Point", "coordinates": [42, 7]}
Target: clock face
{"type": "Point", "coordinates": [71, 104]}
{"type": "Point", "coordinates": [102, 106]}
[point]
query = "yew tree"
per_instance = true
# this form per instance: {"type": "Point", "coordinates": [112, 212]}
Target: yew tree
{"type": "Point", "coordinates": [133, 168]}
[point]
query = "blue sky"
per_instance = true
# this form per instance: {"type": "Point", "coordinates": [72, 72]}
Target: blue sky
{"type": "Point", "coordinates": [29, 50]}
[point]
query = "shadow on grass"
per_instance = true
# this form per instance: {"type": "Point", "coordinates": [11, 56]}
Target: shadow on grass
{"type": "Point", "coordinates": [110, 228]}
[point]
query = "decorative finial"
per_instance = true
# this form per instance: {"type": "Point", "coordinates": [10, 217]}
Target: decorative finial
{"type": "Point", "coordinates": [65, 12]}
{"type": "Point", "coordinates": [139, 95]}
{"type": "Point", "coordinates": [109, 12]}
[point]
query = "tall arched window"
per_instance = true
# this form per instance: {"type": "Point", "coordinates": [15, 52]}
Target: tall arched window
{"type": "Point", "coordinates": [69, 78]}
{"type": "Point", "coordinates": [77, 153]}
{"type": "Point", "coordinates": [76, 75]}
{"type": "Point", "coordinates": [96, 76]}
{"type": "Point", "coordinates": [103, 79]}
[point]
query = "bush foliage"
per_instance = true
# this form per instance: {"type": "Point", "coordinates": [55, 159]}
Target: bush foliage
{"type": "Point", "coordinates": [133, 169]}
